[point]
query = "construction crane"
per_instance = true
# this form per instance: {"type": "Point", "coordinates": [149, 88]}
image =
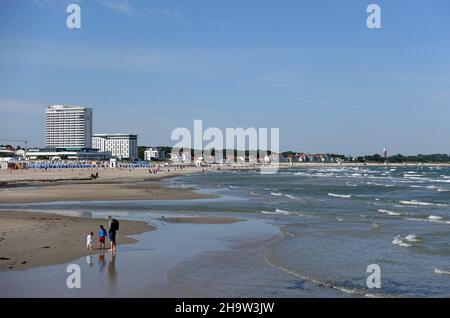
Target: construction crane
{"type": "Point", "coordinates": [25, 142]}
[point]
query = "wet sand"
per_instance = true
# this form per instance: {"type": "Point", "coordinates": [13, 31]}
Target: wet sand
{"type": "Point", "coordinates": [38, 239]}
{"type": "Point", "coordinates": [96, 192]}
{"type": "Point", "coordinates": [201, 220]}
{"type": "Point", "coordinates": [31, 239]}
{"type": "Point", "coordinates": [141, 269]}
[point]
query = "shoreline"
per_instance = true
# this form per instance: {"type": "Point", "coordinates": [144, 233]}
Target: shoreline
{"type": "Point", "coordinates": [58, 185]}
{"type": "Point", "coordinates": [191, 255]}
{"type": "Point", "coordinates": [113, 185]}
{"type": "Point", "coordinates": [141, 269]}
{"type": "Point", "coordinates": [96, 192]}
{"type": "Point", "coordinates": [36, 239]}
{"type": "Point", "coordinates": [33, 239]}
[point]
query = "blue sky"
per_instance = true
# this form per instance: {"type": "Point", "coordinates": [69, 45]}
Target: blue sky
{"type": "Point", "coordinates": [311, 68]}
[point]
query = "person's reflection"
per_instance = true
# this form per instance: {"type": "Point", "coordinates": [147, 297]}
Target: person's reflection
{"type": "Point", "coordinates": [112, 273]}
{"type": "Point", "coordinates": [89, 260]}
{"type": "Point", "coordinates": [101, 261]}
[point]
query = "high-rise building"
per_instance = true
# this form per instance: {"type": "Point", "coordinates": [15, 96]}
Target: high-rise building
{"type": "Point", "coordinates": [68, 126]}
{"type": "Point", "coordinates": [121, 146]}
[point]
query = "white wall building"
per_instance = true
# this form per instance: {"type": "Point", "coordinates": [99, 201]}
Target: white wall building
{"type": "Point", "coordinates": [68, 126]}
{"type": "Point", "coordinates": [150, 154]}
{"type": "Point", "coordinates": [71, 154]}
{"type": "Point", "coordinates": [121, 146]}
{"type": "Point", "coordinates": [21, 153]}
{"type": "Point", "coordinates": [154, 154]}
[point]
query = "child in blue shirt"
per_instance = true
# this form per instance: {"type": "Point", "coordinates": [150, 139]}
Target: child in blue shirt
{"type": "Point", "coordinates": [102, 236]}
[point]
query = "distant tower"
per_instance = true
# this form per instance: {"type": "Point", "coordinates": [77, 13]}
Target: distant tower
{"type": "Point", "coordinates": [385, 154]}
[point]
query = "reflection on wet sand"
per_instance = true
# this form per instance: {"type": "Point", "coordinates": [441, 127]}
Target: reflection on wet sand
{"type": "Point", "coordinates": [89, 260]}
{"type": "Point", "coordinates": [82, 214]}
{"type": "Point", "coordinates": [103, 262]}
{"type": "Point", "coordinates": [112, 272]}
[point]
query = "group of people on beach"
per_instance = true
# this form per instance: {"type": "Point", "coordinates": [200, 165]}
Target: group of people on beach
{"type": "Point", "coordinates": [113, 225]}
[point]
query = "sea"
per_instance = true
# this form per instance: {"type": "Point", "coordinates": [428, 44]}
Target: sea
{"type": "Point", "coordinates": [311, 232]}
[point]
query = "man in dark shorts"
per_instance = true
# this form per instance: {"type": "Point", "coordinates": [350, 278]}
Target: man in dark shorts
{"type": "Point", "coordinates": [113, 227]}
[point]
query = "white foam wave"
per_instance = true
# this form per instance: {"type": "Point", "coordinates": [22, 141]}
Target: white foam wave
{"type": "Point", "coordinates": [441, 271]}
{"type": "Point", "coordinates": [412, 176]}
{"type": "Point", "coordinates": [276, 194]}
{"type": "Point", "coordinates": [427, 220]}
{"type": "Point", "coordinates": [399, 240]}
{"type": "Point", "coordinates": [277, 212]}
{"type": "Point", "coordinates": [440, 180]}
{"type": "Point", "coordinates": [411, 238]}
{"type": "Point", "coordinates": [435, 217]}
{"type": "Point", "coordinates": [280, 211]}
{"type": "Point", "coordinates": [389, 212]}
{"type": "Point", "coordinates": [405, 241]}
{"type": "Point", "coordinates": [345, 196]}
{"type": "Point", "coordinates": [415, 202]}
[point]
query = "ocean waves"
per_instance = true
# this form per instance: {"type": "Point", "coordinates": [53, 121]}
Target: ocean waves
{"type": "Point", "coordinates": [389, 212]}
{"type": "Point", "coordinates": [405, 241]}
{"type": "Point", "coordinates": [344, 196]}
{"type": "Point", "coordinates": [283, 212]}
{"type": "Point", "coordinates": [419, 203]}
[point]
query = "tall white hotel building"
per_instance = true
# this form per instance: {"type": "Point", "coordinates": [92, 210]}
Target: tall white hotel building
{"type": "Point", "coordinates": [68, 126]}
{"type": "Point", "coordinates": [121, 146]}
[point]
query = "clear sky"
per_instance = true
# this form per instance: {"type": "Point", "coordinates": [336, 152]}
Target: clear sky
{"type": "Point", "coordinates": [311, 68]}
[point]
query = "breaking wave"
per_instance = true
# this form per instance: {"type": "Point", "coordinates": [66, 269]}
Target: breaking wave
{"type": "Point", "coordinates": [415, 202]}
{"type": "Point", "coordinates": [345, 196]}
{"type": "Point", "coordinates": [389, 212]}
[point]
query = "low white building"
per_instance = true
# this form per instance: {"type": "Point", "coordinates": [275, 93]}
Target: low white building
{"type": "Point", "coordinates": [67, 153]}
{"type": "Point", "coordinates": [121, 146]}
{"type": "Point", "coordinates": [154, 154]}
{"type": "Point", "coordinates": [179, 158]}
{"type": "Point", "coordinates": [21, 153]}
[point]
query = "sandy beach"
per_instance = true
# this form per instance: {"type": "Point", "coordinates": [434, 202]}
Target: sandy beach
{"type": "Point", "coordinates": [38, 239]}
{"type": "Point", "coordinates": [29, 186]}
{"type": "Point", "coordinates": [30, 239]}
{"type": "Point", "coordinates": [76, 191]}
{"type": "Point", "coordinates": [10, 177]}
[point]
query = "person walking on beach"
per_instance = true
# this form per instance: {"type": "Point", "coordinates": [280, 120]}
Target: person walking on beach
{"type": "Point", "coordinates": [102, 236]}
{"type": "Point", "coordinates": [89, 241]}
{"type": "Point", "coordinates": [113, 228]}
